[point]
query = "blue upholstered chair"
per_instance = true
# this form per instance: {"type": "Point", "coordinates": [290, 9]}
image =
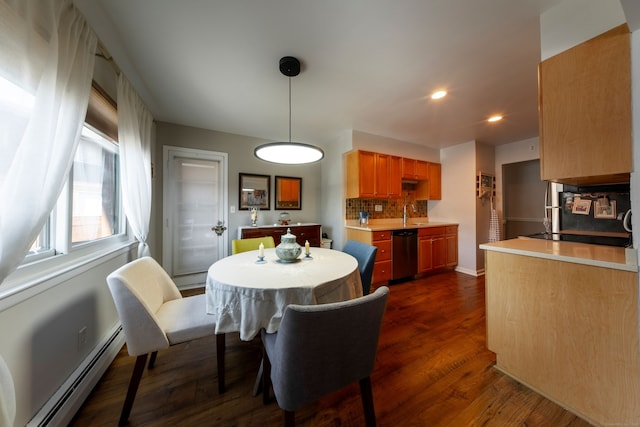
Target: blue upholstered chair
{"type": "Point", "coordinates": [322, 348]}
{"type": "Point", "coordinates": [366, 256]}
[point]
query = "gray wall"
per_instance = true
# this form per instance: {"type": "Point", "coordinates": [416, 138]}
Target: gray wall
{"type": "Point", "coordinates": [241, 159]}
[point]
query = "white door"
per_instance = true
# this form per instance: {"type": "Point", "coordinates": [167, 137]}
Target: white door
{"type": "Point", "coordinates": [195, 201]}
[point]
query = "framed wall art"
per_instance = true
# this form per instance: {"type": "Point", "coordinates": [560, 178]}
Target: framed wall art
{"type": "Point", "coordinates": [605, 209]}
{"type": "Point", "coordinates": [288, 193]}
{"type": "Point", "coordinates": [581, 206]}
{"type": "Point", "coordinates": [254, 191]}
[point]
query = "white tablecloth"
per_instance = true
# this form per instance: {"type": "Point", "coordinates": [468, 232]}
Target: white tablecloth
{"type": "Point", "coordinates": [245, 296]}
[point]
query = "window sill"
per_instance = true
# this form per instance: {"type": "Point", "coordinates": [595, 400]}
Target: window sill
{"type": "Point", "coordinates": [34, 278]}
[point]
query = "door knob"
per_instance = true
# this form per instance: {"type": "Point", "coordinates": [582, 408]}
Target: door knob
{"type": "Point", "coordinates": [219, 228]}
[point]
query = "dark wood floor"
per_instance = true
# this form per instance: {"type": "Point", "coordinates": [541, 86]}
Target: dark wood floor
{"type": "Point", "coordinates": [432, 369]}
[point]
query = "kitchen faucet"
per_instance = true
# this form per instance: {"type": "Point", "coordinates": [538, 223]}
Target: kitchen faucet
{"type": "Point", "coordinates": [404, 212]}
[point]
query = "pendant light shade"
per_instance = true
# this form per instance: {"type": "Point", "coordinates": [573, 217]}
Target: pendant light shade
{"type": "Point", "coordinates": [290, 153]}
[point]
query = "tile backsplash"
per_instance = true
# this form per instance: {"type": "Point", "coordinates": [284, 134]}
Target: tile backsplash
{"type": "Point", "coordinates": [391, 208]}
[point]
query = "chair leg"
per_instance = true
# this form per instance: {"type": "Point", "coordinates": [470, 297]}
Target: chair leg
{"type": "Point", "coordinates": [367, 402]}
{"type": "Point", "coordinates": [138, 369]}
{"type": "Point", "coordinates": [266, 377]}
{"type": "Point", "coordinates": [289, 418]}
{"type": "Point", "coordinates": [220, 348]}
{"type": "Point", "coordinates": [257, 386]}
{"type": "Point", "coordinates": [152, 359]}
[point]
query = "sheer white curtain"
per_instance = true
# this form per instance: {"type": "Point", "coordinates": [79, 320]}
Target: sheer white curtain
{"type": "Point", "coordinates": [47, 59]}
{"type": "Point", "coordinates": [134, 136]}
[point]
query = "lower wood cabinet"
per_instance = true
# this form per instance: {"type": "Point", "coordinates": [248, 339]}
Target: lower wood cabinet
{"type": "Point", "coordinates": [568, 331]}
{"type": "Point", "coordinates": [310, 232]}
{"type": "Point", "coordinates": [382, 266]}
{"type": "Point", "coordinates": [381, 240]}
{"type": "Point", "coordinates": [437, 248]}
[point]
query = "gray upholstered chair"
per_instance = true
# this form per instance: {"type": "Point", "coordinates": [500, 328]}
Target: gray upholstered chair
{"type": "Point", "coordinates": [322, 348]}
{"type": "Point", "coordinates": [366, 256]}
{"type": "Point", "coordinates": [154, 316]}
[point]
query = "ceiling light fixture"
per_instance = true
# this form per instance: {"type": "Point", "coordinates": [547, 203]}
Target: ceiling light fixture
{"type": "Point", "coordinates": [290, 153]}
{"type": "Point", "coordinates": [439, 94]}
{"type": "Point", "coordinates": [495, 118]}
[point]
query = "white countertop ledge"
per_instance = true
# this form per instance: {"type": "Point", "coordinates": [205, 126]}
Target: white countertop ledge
{"type": "Point", "coordinates": [391, 225]}
{"type": "Point", "coordinates": [578, 253]}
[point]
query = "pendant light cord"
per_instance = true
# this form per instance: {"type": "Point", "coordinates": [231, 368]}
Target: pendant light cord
{"type": "Point", "coordinates": [289, 109]}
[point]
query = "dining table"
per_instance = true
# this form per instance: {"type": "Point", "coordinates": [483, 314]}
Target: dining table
{"type": "Point", "coordinates": [246, 295]}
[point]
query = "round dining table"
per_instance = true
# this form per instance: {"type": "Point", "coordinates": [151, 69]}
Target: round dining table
{"type": "Point", "coordinates": [245, 295]}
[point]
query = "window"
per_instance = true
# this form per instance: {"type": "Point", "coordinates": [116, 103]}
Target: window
{"type": "Point", "coordinates": [89, 209]}
{"type": "Point", "coordinates": [95, 189]}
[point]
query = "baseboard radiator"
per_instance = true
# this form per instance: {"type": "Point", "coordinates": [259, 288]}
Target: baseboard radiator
{"type": "Point", "coordinates": [63, 405]}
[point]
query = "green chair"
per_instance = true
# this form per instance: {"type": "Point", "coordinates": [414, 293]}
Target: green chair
{"type": "Point", "coordinates": [244, 245]}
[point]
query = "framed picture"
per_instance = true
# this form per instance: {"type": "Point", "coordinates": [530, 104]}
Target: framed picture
{"type": "Point", "coordinates": [255, 191]}
{"type": "Point", "coordinates": [581, 206]}
{"type": "Point", "coordinates": [288, 193]}
{"type": "Point", "coordinates": [605, 210]}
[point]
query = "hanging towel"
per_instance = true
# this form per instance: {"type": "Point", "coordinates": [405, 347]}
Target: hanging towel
{"type": "Point", "coordinates": [494, 225]}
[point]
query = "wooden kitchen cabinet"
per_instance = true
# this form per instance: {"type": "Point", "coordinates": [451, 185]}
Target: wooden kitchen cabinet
{"type": "Point", "coordinates": [382, 240]}
{"type": "Point", "coordinates": [437, 248]}
{"type": "Point", "coordinates": [373, 175]}
{"type": "Point", "coordinates": [435, 181]}
{"type": "Point", "coordinates": [415, 169]}
{"type": "Point", "coordinates": [382, 266]}
{"type": "Point", "coordinates": [387, 174]}
{"type": "Point", "coordinates": [431, 189]}
{"type": "Point", "coordinates": [568, 331]}
{"type": "Point", "coordinates": [360, 166]}
{"type": "Point", "coordinates": [451, 244]}
{"type": "Point", "coordinates": [585, 111]}
{"type": "Point", "coordinates": [310, 232]}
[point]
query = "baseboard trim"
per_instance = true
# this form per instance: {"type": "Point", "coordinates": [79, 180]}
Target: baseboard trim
{"type": "Point", "coordinates": [470, 272]}
{"type": "Point", "coordinates": [65, 402]}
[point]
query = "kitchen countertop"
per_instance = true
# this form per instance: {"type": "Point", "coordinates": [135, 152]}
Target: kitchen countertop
{"type": "Point", "coordinates": [579, 253]}
{"type": "Point", "coordinates": [396, 224]}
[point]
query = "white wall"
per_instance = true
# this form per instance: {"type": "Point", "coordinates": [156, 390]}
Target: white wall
{"type": "Point", "coordinates": [40, 334]}
{"type": "Point", "coordinates": [241, 160]}
{"type": "Point", "coordinates": [575, 21]}
{"type": "Point", "coordinates": [333, 178]}
{"type": "Point", "coordinates": [458, 202]}
{"type": "Point", "coordinates": [381, 144]}
{"type": "Point", "coordinates": [519, 151]}
{"type": "Point", "coordinates": [485, 162]}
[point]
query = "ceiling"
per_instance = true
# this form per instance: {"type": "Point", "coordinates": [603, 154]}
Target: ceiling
{"type": "Point", "coordinates": [367, 65]}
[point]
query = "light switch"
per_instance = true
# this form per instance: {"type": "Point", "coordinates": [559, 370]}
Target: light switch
{"type": "Point", "coordinates": [378, 208]}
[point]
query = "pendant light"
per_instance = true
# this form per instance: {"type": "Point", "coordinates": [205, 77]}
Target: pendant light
{"type": "Point", "coordinates": [290, 153]}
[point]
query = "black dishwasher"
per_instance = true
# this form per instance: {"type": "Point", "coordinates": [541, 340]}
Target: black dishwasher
{"type": "Point", "coordinates": [405, 253]}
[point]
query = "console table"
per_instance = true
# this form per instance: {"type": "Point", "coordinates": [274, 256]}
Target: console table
{"type": "Point", "coordinates": [303, 232]}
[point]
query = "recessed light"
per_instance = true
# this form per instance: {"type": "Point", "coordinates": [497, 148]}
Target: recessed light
{"type": "Point", "coordinates": [439, 94]}
{"type": "Point", "coordinates": [495, 118]}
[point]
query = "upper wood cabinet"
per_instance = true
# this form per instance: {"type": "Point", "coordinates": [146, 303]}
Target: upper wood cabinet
{"type": "Point", "coordinates": [359, 172]}
{"type": "Point", "coordinates": [435, 181]}
{"type": "Point", "coordinates": [415, 169]}
{"type": "Point", "coordinates": [387, 173]}
{"type": "Point", "coordinates": [431, 189]}
{"type": "Point", "coordinates": [585, 111]}
{"type": "Point", "coordinates": [373, 175]}
{"type": "Point", "coordinates": [376, 175]}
